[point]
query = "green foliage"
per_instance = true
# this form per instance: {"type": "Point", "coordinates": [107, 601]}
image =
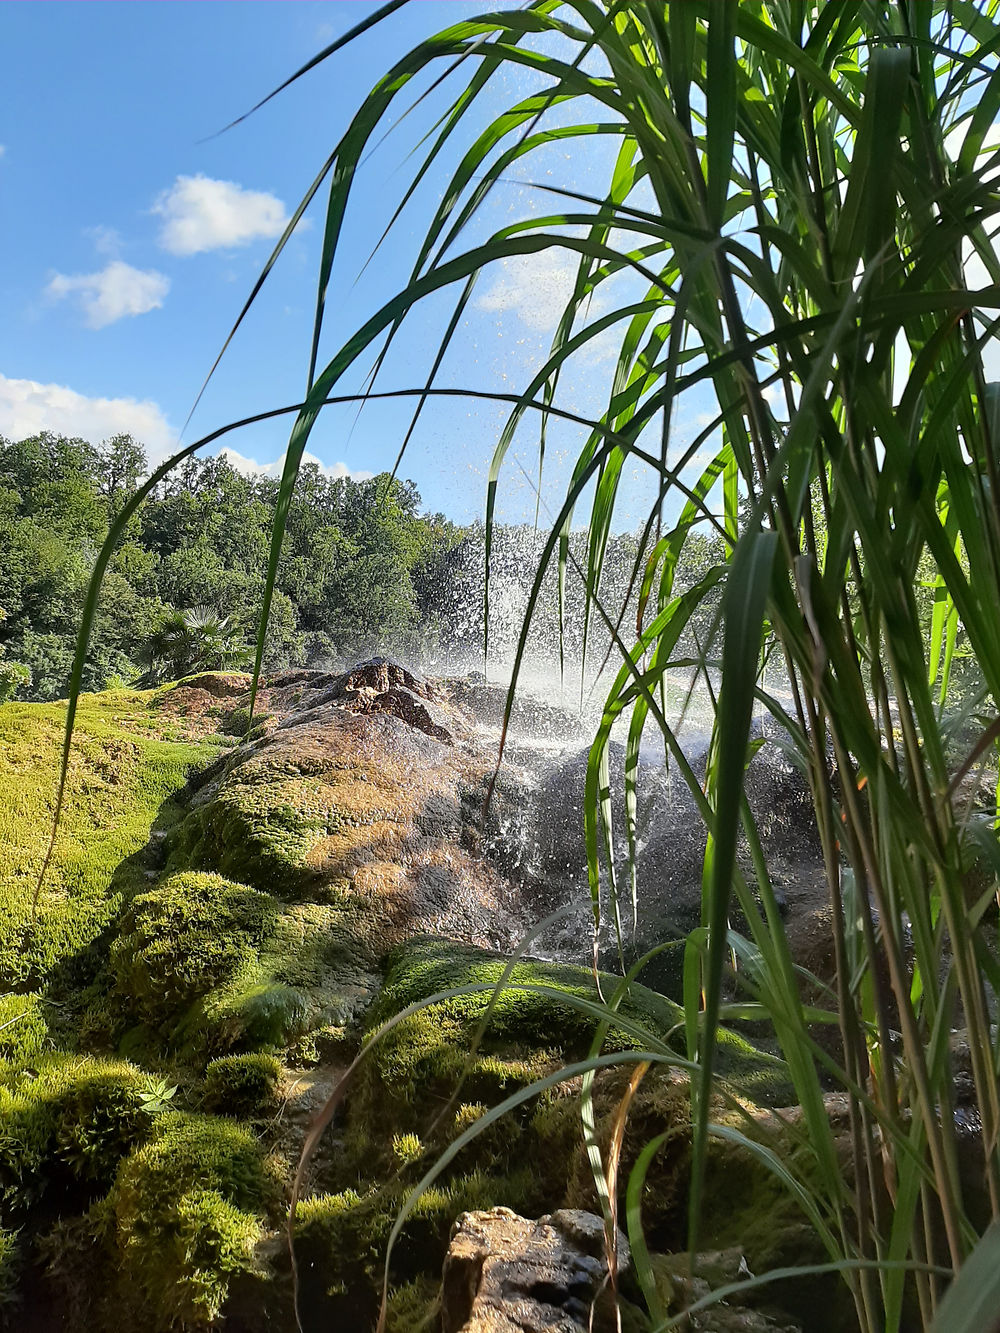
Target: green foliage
{"type": "Point", "coordinates": [73, 1118]}
{"type": "Point", "coordinates": [13, 675]}
{"type": "Point", "coordinates": [242, 1085]}
{"type": "Point", "coordinates": [198, 639]}
{"type": "Point", "coordinates": [184, 583]}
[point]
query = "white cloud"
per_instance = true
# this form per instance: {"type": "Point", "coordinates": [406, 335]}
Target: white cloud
{"type": "Point", "coordinates": [3, 149]}
{"type": "Point", "coordinates": [116, 291]}
{"type": "Point", "coordinates": [27, 407]}
{"type": "Point", "coordinates": [533, 287]}
{"type": "Point", "coordinates": [252, 468]}
{"type": "Point", "coordinates": [205, 214]}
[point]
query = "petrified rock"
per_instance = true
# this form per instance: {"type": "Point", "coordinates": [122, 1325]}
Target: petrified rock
{"type": "Point", "coordinates": [505, 1274]}
{"type": "Point", "coordinates": [381, 685]}
{"type": "Point", "coordinates": [346, 814]}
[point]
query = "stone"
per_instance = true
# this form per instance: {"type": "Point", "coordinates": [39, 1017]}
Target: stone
{"type": "Point", "coordinates": [506, 1274]}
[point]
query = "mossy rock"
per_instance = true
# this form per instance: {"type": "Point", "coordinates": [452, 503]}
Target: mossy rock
{"type": "Point", "coordinates": [213, 966]}
{"type": "Point", "coordinates": [188, 937]}
{"type": "Point", "coordinates": [70, 1121]}
{"type": "Point", "coordinates": [399, 1118]}
{"type": "Point", "coordinates": [544, 1011]}
{"type": "Point", "coordinates": [182, 1223]}
{"type": "Point", "coordinates": [257, 827]}
{"type": "Point", "coordinates": [242, 1085]}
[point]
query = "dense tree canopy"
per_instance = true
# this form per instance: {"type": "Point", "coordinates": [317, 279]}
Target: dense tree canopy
{"type": "Point", "coordinates": [359, 568]}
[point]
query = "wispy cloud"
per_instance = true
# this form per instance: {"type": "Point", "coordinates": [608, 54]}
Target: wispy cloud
{"type": "Point", "coordinates": [252, 468]}
{"type": "Point", "coordinates": [117, 291]}
{"type": "Point", "coordinates": [535, 288]}
{"type": "Point", "coordinates": [28, 407]}
{"type": "Point", "coordinates": [107, 240]}
{"type": "Point", "coordinates": [204, 214]}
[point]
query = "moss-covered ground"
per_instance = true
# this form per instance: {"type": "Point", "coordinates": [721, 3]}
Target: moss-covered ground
{"type": "Point", "coordinates": [178, 972]}
{"type": "Point", "coordinates": [128, 764]}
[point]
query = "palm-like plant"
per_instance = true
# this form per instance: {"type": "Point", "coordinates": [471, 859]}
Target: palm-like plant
{"type": "Point", "coordinates": [198, 639]}
{"type": "Point", "coordinates": [795, 190]}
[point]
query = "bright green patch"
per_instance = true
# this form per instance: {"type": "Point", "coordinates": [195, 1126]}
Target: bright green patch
{"type": "Point", "coordinates": [126, 770]}
{"type": "Point", "coordinates": [23, 1029]}
{"type": "Point", "coordinates": [212, 965]}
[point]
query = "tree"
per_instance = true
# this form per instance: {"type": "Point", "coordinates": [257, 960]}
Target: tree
{"type": "Point", "coordinates": [122, 464]}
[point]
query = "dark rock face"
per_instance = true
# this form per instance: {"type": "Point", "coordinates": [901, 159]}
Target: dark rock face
{"type": "Point", "coordinates": [504, 1274]}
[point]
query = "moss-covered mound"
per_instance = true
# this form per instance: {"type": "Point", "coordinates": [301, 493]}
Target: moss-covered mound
{"type": "Point", "coordinates": [207, 965]}
{"type": "Point", "coordinates": [127, 769]}
{"type": "Point", "coordinates": [181, 1223]}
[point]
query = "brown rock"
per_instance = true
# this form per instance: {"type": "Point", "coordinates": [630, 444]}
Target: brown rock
{"type": "Point", "coordinates": [505, 1274]}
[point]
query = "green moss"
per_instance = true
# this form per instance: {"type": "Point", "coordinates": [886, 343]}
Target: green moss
{"type": "Point", "coordinates": [258, 827]}
{"type": "Point", "coordinates": [528, 1031]}
{"type": "Point", "coordinates": [186, 938]}
{"type": "Point", "coordinates": [10, 1265]}
{"type": "Point", "coordinates": [214, 966]}
{"type": "Point", "coordinates": [127, 768]}
{"type": "Point", "coordinates": [242, 1085]}
{"type": "Point", "coordinates": [414, 1307]}
{"type": "Point", "coordinates": [341, 1241]}
{"type": "Point", "coordinates": [185, 1217]}
{"type": "Point", "coordinates": [75, 1118]}
{"type": "Point", "coordinates": [23, 1029]}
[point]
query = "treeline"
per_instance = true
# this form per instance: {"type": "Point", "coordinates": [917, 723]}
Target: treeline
{"type": "Point", "coordinates": [361, 566]}
{"type": "Point", "coordinates": [362, 570]}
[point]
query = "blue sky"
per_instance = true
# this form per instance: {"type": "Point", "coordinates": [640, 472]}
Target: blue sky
{"type": "Point", "coordinates": [133, 231]}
